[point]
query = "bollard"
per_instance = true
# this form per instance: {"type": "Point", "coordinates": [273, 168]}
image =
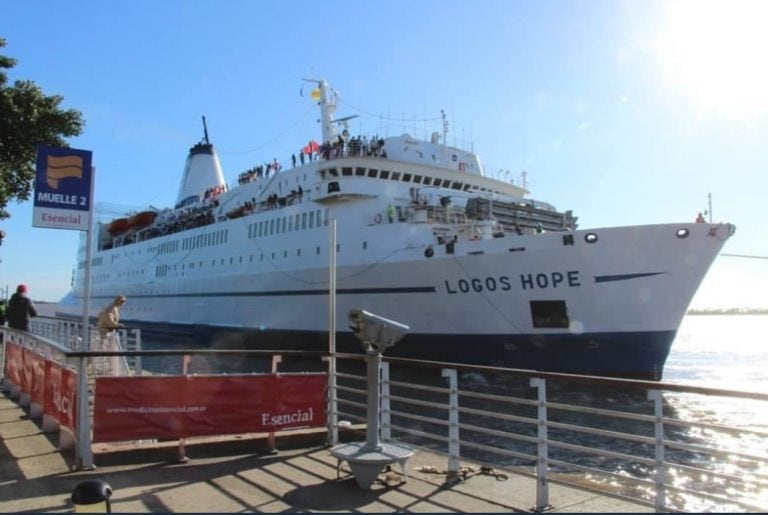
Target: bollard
{"type": "Point", "coordinates": [92, 496]}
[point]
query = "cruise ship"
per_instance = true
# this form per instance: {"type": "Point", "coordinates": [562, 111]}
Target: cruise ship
{"type": "Point", "coordinates": [479, 271]}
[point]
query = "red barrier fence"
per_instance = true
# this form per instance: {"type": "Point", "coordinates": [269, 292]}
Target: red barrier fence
{"type": "Point", "coordinates": [128, 408]}
{"type": "Point", "coordinates": [50, 385]}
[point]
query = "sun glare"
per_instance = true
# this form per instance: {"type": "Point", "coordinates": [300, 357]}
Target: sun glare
{"type": "Point", "coordinates": [714, 53]}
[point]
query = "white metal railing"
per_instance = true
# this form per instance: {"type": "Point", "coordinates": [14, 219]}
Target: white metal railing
{"type": "Point", "coordinates": [68, 335]}
{"type": "Point", "coordinates": [633, 449]}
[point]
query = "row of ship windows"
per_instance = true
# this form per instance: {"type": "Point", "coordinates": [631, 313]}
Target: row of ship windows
{"type": "Point", "coordinates": [398, 176]}
{"type": "Point", "coordinates": [165, 270]}
{"type": "Point", "coordinates": [290, 223]}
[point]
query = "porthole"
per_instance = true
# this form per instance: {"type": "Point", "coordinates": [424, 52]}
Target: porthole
{"type": "Point", "coordinates": [682, 233]}
{"type": "Point", "coordinates": [590, 237]}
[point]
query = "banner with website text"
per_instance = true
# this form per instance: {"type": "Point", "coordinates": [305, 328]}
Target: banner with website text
{"type": "Point", "coordinates": [128, 408]}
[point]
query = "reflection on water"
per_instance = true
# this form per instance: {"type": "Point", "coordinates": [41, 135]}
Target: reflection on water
{"type": "Point", "coordinates": [726, 351]}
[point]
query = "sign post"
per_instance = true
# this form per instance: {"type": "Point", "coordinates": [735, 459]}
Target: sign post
{"type": "Point", "coordinates": [63, 199]}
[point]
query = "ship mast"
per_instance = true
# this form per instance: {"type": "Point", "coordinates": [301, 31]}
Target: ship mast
{"type": "Point", "coordinates": [327, 98]}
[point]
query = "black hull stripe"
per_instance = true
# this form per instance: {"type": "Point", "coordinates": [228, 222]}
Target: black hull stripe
{"type": "Point", "coordinates": [623, 277]}
{"type": "Point", "coordinates": [282, 293]}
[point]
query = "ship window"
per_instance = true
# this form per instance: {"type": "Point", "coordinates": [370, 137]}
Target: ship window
{"type": "Point", "coordinates": [384, 174]}
{"type": "Point", "coordinates": [427, 181]}
{"type": "Point", "coordinates": [298, 252]}
{"type": "Point", "coordinates": [333, 172]}
{"type": "Point", "coordinates": [434, 157]}
{"type": "Point", "coordinates": [317, 250]}
{"type": "Point", "coordinates": [417, 179]}
{"type": "Point", "coordinates": [273, 256]}
{"type": "Point", "coordinates": [395, 176]}
{"type": "Point", "coordinates": [590, 237]}
{"type": "Point", "coordinates": [327, 216]}
{"type": "Point", "coordinates": [284, 224]}
{"type": "Point", "coordinates": [347, 172]}
{"type": "Point", "coordinates": [333, 187]}
{"type": "Point", "coordinates": [467, 187]}
{"type": "Point", "coordinates": [682, 233]}
{"type": "Point", "coordinates": [231, 260]}
{"type": "Point", "coordinates": [285, 254]}
{"type": "Point", "coordinates": [372, 173]}
{"type": "Point", "coordinates": [456, 186]}
{"type": "Point", "coordinates": [296, 223]}
{"type": "Point", "coordinates": [311, 219]}
{"type": "Point", "coordinates": [407, 177]}
{"type": "Point", "coordinates": [338, 247]}
{"type": "Point", "coordinates": [567, 239]}
{"type": "Point", "coordinates": [261, 257]}
{"type": "Point", "coordinates": [303, 221]}
{"type": "Point", "coordinates": [437, 182]}
{"type": "Point", "coordinates": [549, 313]}
{"type": "Point", "coordinates": [290, 223]}
{"type": "Point", "coordinates": [272, 226]}
{"type": "Point", "coordinates": [365, 245]}
{"type": "Point", "coordinates": [360, 172]}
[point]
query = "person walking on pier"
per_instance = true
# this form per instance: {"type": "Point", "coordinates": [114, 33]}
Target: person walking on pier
{"type": "Point", "coordinates": [20, 309]}
{"type": "Point", "coordinates": [109, 318]}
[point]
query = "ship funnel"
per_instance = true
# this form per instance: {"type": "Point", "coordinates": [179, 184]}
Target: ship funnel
{"type": "Point", "coordinates": [202, 172]}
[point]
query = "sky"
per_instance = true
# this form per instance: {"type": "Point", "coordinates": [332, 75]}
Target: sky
{"type": "Point", "coordinates": [625, 112]}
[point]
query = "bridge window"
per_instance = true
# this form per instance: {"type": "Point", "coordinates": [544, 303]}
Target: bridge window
{"type": "Point", "coordinates": [384, 174]}
{"type": "Point", "coordinates": [372, 173]}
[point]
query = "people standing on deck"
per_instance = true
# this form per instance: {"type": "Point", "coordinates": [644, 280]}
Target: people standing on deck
{"type": "Point", "coordinates": [391, 213]}
{"type": "Point", "coordinates": [3, 312]}
{"type": "Point", "coordinates": [293, 160]}
{"type": "Point", "coordinates": [700, 219]}
{"type": "Point", "coordinates": [301, 156]}
{"type": "Point", "coordinates": [20, 309]}
{"type": "Point", "coordinates": [109, 318]}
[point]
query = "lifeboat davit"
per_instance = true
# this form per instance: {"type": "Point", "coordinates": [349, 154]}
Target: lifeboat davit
{"type": "Point", "coordinates": [141, 220]}
{"type": "Point", "coordinates": [118, 226]}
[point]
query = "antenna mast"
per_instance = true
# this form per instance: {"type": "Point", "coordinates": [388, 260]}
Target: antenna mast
{"type": "Point", "coordinates": [205, 131]}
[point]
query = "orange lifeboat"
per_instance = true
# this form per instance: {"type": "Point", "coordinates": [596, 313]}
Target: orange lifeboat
{"type": "Point", "coordinates": [141, 220]}
{"type": "Point", "coordinates": [118, 226]}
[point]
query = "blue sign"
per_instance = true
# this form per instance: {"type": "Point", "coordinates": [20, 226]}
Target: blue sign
{"type": "Point", "coordinates": [62, 196]}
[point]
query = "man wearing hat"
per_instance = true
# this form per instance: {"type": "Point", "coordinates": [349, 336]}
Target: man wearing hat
{"type": "Point", "coordinates": [109, 318]}
{"type": "Point", "coordinates": [20, 309]}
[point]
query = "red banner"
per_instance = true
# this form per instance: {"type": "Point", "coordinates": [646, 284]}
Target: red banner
{"type": "Point", "coordinates": [128, 408]}
{"type": "Point", "coordinates": [26, 370]}
{"type": "Point", "coordinates": [60, 394]}
{"type": "Point", "coordinates": [37, 384]}
{"type": "Point", "coordinates": [14, 362]}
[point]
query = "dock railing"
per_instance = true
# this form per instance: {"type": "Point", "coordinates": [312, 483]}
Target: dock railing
{"type": "Point", "coordinates": [622, 438]}
{"type": "Point", "coordinates": [633, 440]}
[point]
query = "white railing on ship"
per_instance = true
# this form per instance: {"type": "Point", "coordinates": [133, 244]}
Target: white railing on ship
{"type": "Point", "coordinates": [714, 476]}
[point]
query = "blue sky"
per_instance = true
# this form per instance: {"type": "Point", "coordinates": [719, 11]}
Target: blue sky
{"type": "Point", "coordinates": [625, 112]}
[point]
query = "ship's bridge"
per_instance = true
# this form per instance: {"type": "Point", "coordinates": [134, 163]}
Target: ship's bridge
{"type": "Point", "coordinates": [431, 153]}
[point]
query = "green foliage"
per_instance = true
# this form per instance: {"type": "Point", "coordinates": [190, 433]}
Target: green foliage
{"type": "Point", "coordinates": [28, 117]}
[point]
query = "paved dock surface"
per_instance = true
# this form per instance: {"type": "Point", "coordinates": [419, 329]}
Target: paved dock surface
{"type": "Point", "coordinates": [242, 476]}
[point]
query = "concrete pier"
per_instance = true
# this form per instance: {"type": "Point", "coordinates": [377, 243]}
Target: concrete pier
{"type": "Point", "coordinates": [236, 474]}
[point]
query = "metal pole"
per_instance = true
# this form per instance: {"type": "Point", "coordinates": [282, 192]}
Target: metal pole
{"type": "Point", "coordinates": [658, 429]}
{"type": "Point", "coordinates": [542, 484]}
{"type": "Point", "coordinates": [373, 362]}
{"type": "Point", "coordinates": [333, 429]}
{"type": "Point", "coordinates": [386, 406]}
{"type": "Point", "coordinates": [83, 455]}
{"type": "Point", "coordinates": [454, 450]}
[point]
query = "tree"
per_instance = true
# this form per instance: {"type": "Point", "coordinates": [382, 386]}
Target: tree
{"type": "Point", "coordinates": [28, 117]}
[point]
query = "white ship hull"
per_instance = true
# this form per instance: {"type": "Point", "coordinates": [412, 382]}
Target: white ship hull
{"type": "Point", "coordinates": [255, 262]}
